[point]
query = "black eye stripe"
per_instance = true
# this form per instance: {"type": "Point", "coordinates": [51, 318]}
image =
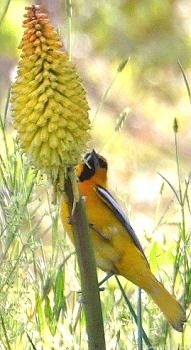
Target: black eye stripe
{"type": "Point", "coordinates": [87, 173]}
{"type": "Point", "coordinates": [92, 161]}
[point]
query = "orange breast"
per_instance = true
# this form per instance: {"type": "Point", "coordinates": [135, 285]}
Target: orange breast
{"type": "Point", "coordinates": [113, 246]}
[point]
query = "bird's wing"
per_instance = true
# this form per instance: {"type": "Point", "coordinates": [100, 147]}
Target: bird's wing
{"type": "Point", "coordinates": [112, 204]}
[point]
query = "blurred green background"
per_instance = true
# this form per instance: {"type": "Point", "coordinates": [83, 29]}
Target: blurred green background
{"type": "Point", "coordinates": [155, 35]}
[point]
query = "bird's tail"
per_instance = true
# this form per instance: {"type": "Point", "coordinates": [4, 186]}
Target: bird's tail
{"type": "Point", "coordinates": [167, 303]}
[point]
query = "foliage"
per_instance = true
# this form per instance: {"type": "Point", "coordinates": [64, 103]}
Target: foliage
{"type": "Point", "coordinates": [39, 300]}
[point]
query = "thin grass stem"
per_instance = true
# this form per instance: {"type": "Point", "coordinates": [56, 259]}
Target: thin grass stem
{"type": "Point", "coordinates": [69, 15]}
{"type": "Point", "coordinates": [103, 99]}
{"type": "Point", "coordinates": [182, 254]}
{"type": "Point", "coordinates": [31, 342]}
{"type": "Point", "coordinates": [139, 321]}
{"type": "Point", "coordinates": [183, 222]}
{"type": "Point", "coordinates": [5, 333]}
{"type": "Point", "coordinates": [5, 11]}
{"type": "Point", "coordinates": [133, 313]}
{"type": "Point", "coordinates": [185, 80]}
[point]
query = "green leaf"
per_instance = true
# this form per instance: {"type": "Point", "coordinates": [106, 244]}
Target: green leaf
{"type": "Point", "coordinates": [59, 299]}
{"type": "Point", "coordinates": [40, 313]}
{"type": "Point", "coordinates": [49, 316]}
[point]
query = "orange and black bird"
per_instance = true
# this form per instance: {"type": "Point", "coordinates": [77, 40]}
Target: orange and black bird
{"type": "Point", "coordinates": [116, 246]}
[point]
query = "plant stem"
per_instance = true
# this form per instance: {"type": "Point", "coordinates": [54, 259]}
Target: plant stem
{"type": "Point", "coordinates": [69, 14]}
{"type": "Point", "coordinates": [182, 226]}
{"type": "Point", "coordinates": [131, 309]}
{"type": "Point", "coordinates": [139, 320]}
{"type": "Point", "coordinates": [5, 333]}
{"type": "Point", "coordinates": [183, 221]}
{"type": "Point", "coordinates": [6, 6]}
{"type": "Point", "coordinates": [87, 266]}
{"type": "Point", "coordinates": [100, 105]}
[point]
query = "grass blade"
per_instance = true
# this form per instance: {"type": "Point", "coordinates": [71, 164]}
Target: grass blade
{"type": "Point", "coordinates": [133, 313]}
{"type": "Point", "coordinates": [5, 11]}
{"type": "Point", "coordinates": [185, 80]}
{"type": "Point", "coordinates": [170, 185]}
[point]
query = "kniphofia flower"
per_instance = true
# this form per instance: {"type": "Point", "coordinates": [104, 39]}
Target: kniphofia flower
{"type": "Point", "coordinates": [49, 106]}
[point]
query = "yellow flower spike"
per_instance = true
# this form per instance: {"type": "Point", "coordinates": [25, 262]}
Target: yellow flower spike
{"type": "Point", "coordinates": [49, 106]}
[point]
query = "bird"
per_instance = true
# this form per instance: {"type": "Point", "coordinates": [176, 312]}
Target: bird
{"type": "Point", "coordinates": [116, 247]}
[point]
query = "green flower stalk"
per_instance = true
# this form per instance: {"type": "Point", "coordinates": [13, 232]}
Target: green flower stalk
{"type": "Point", "coordinates": [49, 106]}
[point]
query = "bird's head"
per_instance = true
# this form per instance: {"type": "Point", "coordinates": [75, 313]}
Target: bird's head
{"type": "Point", "coordinates": [94, 168]}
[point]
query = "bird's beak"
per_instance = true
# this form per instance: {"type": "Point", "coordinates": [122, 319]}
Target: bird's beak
{"type": "Point", "coordinates": [94, 156]}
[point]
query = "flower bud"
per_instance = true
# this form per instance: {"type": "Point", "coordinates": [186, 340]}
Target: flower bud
{"type": "Point", "coordinates": [49, 106]}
